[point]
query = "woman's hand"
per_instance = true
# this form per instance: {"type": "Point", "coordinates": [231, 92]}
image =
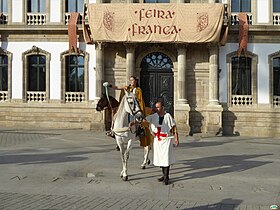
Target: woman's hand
{"type": "Point", "coordinates": [176, 142]}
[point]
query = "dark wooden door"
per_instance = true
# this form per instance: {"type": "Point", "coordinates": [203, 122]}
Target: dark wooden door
{"type": "Point", "coordinates": [157, 81]}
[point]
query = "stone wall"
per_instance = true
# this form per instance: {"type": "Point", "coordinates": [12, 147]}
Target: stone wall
{"type": "Point", "coordinates": [56, 116]}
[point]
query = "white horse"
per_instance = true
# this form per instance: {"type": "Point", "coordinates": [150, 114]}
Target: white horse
{"type": "Point", "coordinates": [129, 110]}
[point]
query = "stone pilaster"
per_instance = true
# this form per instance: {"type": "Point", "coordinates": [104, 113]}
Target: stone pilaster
{"type": "Point", "coordinates": [99, 47]}
{"type": "Point", "coordinates": [182, 107]}
{"type": "Point", "coordinates": [182, 68]}
{"type": "Point", "coordinates": [130, 60]}
{"type": "Point", "coordinates": [213, 74]}
{"type": "Point", "coordinates": [213, 115]}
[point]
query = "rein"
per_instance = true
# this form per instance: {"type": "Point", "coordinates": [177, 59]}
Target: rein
{"type": "Point", "coordinates": [107, 95]}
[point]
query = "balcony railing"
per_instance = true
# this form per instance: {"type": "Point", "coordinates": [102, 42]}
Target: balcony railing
{"type": "Point", "coordinates": [36, 19]}
{"type": "Point", "coordinates": [276, 18]}
{"type": "Point", "coordinates": [276, 101]}
{"type": "Point", "coordinates": [234, 19]}
{"type": "Point", "coordinates": [3, 19]}
{"type": "Point", "coordinates": [36, 96]}
{"type": "Point", "coordinates": [67, 18]}
{"type": "Point", "coordinates": [241, 100]}
{"type": "Point", "coordinates": [74, 97]}
{"type": "Point", "coordinates": [3, 95]}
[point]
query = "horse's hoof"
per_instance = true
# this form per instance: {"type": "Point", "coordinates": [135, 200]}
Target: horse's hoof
{"type": "Point", "coordinates": [125, 178]}
{"type": "Point", "coordinates": [143, 167]}
{"type": "Point", "coordinates": [148, 162]}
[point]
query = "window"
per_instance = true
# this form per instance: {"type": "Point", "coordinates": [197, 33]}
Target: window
{"type": "Point", "coordinates": [3, 73]}
{"type": "Point", "coordinates": [74, 77]}
{"type": "Point", "coordinates": [4, 6]}
{"type": "Point", "coordinates": [241, 76]}
{"type": "Point", "coordinates": [274, 63]}
{"type": "Point", "coordinates": [74, 6]}
{"type": "Point", "coordinates": [276, 6]}
{"type": "Point", "coordinates": [36, 73]}
{"type": "Point", "coordinates": [241, 5]}
{"type": "Point", "coordinates": [36, 6]}
{"type": "Point", "coordinates": [276, 76]}
{"type": "Point", "coordinates": [74, 73]}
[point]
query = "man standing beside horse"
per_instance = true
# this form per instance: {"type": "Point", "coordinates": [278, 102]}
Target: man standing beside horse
{"type": "Point", "coordinates": [163, 128]}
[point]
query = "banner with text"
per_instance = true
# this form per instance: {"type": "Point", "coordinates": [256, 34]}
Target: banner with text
{"type": "Point", "coordinates": [188, 23]}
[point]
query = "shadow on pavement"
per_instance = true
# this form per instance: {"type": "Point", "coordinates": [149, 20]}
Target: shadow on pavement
{"type": "Point", "coordinates": [215, 165]}
{"type": "Point", "coordinates": [26, 159]}
{"type": "Point", "coordinates": [227, 204]}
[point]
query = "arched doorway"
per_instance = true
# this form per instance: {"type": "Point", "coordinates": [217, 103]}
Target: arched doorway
{"type": "Point", "coordinates": [157, 80]}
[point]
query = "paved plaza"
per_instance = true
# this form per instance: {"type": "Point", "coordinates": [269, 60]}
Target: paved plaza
{"type": "Point", "coordinates": [76, 169]}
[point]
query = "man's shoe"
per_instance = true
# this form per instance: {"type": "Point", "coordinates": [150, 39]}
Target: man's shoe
{"type": "Point", "coordinates": [165, 182]}
{"type": "Point", "coordinates": [160, 179]}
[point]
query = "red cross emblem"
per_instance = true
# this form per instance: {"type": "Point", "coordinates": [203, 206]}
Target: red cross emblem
{"type": "Point", "coordinates": [159, 134]}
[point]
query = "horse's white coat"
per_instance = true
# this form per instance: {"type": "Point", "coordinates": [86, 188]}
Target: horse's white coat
{"type": "Point", "coordinates": [124, 137]}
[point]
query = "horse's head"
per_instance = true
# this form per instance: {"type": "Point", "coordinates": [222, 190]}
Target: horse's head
{"type": "Point", "coordinates": [132, 106]}
{"type": "Point", "coordinates": [104, 103]}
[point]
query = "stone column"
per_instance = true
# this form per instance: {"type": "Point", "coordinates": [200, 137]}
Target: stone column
{"type": "Point", "coordinates": [213, 114]}
{"type": "Point", "coordinates": [213, 74]}
{"type": "Point", "coordinates": [182, 68]}
{"type": "Point", "coordinates": [182, 107]}
{"type": "Point", "coordinates": [130, 60]}
{"type": "Point", "coordinates": [99, 47]}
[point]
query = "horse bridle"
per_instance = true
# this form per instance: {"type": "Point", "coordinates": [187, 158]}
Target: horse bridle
{"type": "Point", "coordinates": [133, 112]}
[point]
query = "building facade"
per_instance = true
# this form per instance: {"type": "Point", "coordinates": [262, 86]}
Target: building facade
{"type": "Point", "coordinates": [42, 83]}
{"type": "Point", "coordinates": [209, 87]}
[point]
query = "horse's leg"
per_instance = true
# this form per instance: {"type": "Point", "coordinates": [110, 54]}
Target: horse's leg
{"type": "Point", "coordinates": [126, 157]}
{"type": "Point", "coordinates": [146, 157]}
{"type": "Point", "coordinates": [122, 150]}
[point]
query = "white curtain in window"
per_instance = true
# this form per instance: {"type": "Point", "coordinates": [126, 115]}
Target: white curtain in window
{"type": "Point", "coordinates": [38, 6]}
{"type": "Point", "coordinates": [4, 6]}
{"type": "Point", "coordinates": [75, 6]}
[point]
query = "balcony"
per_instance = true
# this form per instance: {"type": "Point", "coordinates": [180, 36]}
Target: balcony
{"type": "Point", "coordinates": [3, 19]}
{"type": "Point", "coordinates": [74, 97]}
{"type": "Point", "coordinates": [67, 18]}
{"type": "Point", "coordinates": [36, 19]}
{"type": "Point", "coordinates": [241, 100]}
{"type": "Point", "coordinates": [36, 96]}
{"type": "Point", "coordinates": [276, 18]}
{"type": "Point", "coordinates": [234, 19]}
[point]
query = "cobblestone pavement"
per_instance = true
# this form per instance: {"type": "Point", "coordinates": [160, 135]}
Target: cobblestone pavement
{"type": "Point", "coordinates": [13, 201]}
{"type": "Point", "coordinates": [76, 169]}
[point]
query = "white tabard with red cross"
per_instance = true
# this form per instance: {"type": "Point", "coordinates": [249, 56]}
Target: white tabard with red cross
{"type": "Point", "coordinates": [163, 141]}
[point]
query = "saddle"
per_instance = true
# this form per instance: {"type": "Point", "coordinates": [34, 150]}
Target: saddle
{"type": "Point", "coordinates": [140, 131]}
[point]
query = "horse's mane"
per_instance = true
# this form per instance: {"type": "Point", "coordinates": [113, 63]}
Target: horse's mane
{"type": "Point", "coordinates": [113, 100]}
{"type": "Point", "coordinates": [121, 104]}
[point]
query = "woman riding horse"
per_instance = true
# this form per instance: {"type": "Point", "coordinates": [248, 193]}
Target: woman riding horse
{"type": "Point", "coordinates": [145, 140]}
